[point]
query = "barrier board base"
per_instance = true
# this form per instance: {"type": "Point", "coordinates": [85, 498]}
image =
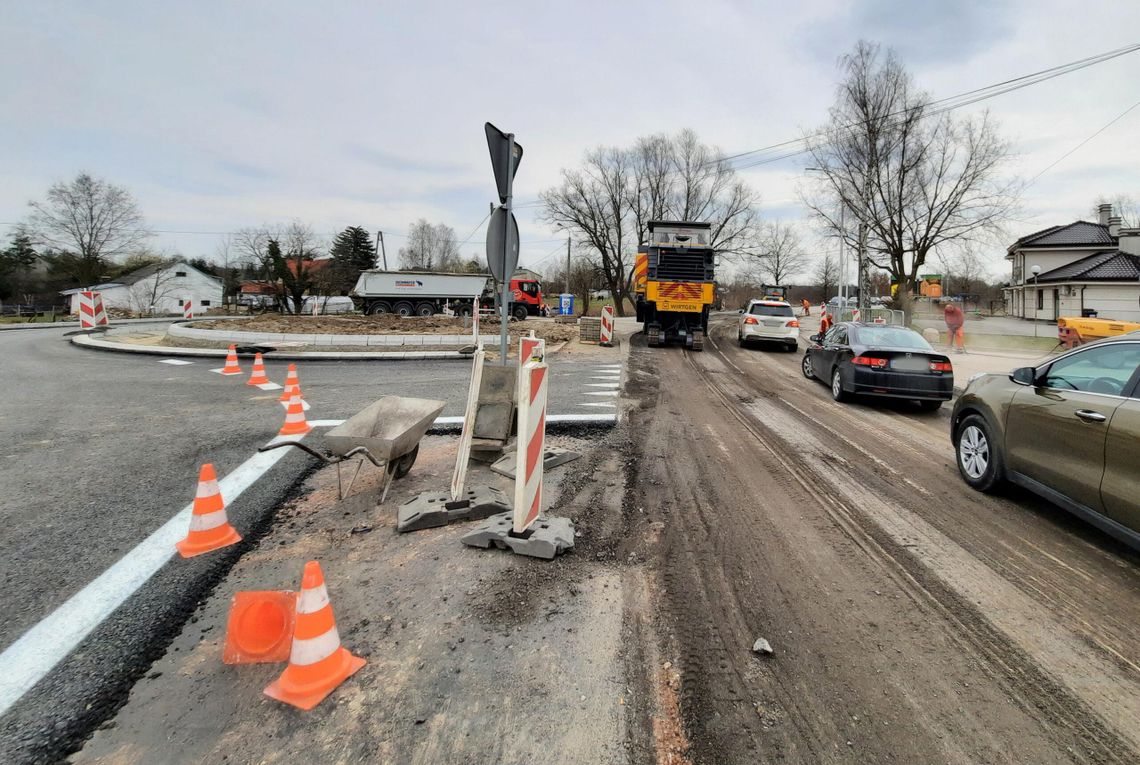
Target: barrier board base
{"type": "Point", "coordinates": [551, 458]}
{"type": "Point", "coordinates": [435, 508]}
{"type": "Point", "coordinates": [546, 538]}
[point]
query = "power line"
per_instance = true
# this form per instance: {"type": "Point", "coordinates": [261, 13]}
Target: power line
{"type": "Point", "coordinates": [948, 103]}
{"type": "Point", "coordinates": [1106, 126]}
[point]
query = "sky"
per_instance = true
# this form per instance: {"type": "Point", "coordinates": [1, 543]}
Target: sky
{"type": "Point", "coordinates": [221, 115]}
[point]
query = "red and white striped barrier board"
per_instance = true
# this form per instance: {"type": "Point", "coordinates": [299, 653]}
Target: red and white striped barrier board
{"type": "Point", "coordinates": [855, 315]}
{"type": "Point", "coordinates": [531, 444]}
{"type": "Point", "coordinates": [607, 333]}
{"type": "Point", "coordinates": [188, 308]}
{"type": "Point", "coordinates": [530, 348]}
{"type": "Point", "coordinates": [91, 312]}
{"type": "Point", "coordinates": [459, 476]}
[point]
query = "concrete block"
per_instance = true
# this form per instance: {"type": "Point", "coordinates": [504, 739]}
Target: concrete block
{"type": "Point", "coordinates": [551, 458]}
{"type": "Point", "coordinates": [435, 508]}
{"type": "Point", "coordinates": [546, 538]}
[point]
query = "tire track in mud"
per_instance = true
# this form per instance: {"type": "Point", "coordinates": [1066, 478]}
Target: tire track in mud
{"type": "Point", "coordinates": [1034, 690]}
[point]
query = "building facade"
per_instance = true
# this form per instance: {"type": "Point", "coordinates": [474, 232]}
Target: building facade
{"type": "Point", "coordinates": [1078, 269]}
{"type": "Point", "coordinates": [157, 289]}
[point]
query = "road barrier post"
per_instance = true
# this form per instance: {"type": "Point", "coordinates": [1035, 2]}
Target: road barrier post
{"type": "Point", "coordinates": [91, 311]}
{"type": "Point", "coordinates": [188, 308]}
{"type": "Point", "coordinates": [606, 337]}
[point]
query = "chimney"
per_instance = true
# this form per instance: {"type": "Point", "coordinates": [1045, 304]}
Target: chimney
{"type": "Point", "coordinates": [1104, 212]}
{"type": "Point", "coordinates": [1130, 241]}
{"type": "Point", "coordinates": [1114, 226]}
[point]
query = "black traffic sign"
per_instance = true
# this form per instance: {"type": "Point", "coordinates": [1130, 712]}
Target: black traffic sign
{"type": "Point", "coordinates": [499, 143]}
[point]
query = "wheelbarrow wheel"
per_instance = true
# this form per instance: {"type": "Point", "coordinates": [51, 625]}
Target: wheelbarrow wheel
{"type": "Point", "coordinates": [401, 466]}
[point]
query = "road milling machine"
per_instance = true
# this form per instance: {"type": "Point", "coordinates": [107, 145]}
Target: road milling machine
{"type": "Point", "coordinates": [675, 283]}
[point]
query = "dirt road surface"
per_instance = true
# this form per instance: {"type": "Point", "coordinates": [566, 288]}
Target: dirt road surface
{"type": "Point", "coordinates": [911, 619]}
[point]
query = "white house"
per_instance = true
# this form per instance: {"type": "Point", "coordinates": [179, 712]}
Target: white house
{"type": "Point", "coordinates": [160, 288]}
{"type": "Point", "coordinates": [1080, 268]}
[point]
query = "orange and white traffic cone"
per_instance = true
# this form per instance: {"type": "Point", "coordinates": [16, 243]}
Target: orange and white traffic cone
{"type": "Point", "coordinates": [209, 528]}
{"type": "Point", "coordinates": [231, 367]}
{"type": "Point", "coordinates": [260, 627]}
{"type": "Point", "coordinates": [292, 384]}
{"type": "Point", "coordinates": [295, 424]}
{"type": "Point", "coordinates": [257, 376]}
{"type": "Point", "coordinates": [317, 662]}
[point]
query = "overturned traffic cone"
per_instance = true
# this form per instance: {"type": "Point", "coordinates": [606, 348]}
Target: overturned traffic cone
{"type": "Point", "coordinates": [317, 662]}
{"type": "Point", "coordinates": [257, 376]}
{"type": "Point", "coordinates": [292, 384]}
{"type": "Point", "coordinates": [260, 627]}
{"type": "Point", "coordinates": [209, 529]}
{"type": "Point", "coordinates": [295, 424]}
{"type": "Point", "coordinates": [231, 367]}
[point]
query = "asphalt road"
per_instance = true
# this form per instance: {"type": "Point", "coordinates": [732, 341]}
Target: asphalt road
{"type": "Point", "coordinates": [98, 450]}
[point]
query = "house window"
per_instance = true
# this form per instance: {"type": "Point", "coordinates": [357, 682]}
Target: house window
{"type": "Point", "coordinates": [179, 273]}
{"type": "Point", "coordinates": [1040, 299]}
{"type": "Point", "coordinates": [204, 303]}
{"type": "Point", "coordinates": [180, 302]}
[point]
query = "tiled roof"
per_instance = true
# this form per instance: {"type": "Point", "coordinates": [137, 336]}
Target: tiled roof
{"type": "Point", "coordinates": [1101, 266]}
{"type": "Point", "coordinates": [1078, 234]}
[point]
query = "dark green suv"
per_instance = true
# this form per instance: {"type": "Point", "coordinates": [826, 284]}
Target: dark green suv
{"type": "Point", "coordinates": [1068, 430]}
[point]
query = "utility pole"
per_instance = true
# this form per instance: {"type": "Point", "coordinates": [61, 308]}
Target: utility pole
{"type": "Point", "coordinates": [567, 263]}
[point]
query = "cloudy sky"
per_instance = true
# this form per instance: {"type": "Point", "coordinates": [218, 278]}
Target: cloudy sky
{"type": "Point", "coordinates": [220, 115]}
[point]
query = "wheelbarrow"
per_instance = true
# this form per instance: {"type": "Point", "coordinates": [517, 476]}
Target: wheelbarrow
{"type": "Point", "coordinates": [387, 433]}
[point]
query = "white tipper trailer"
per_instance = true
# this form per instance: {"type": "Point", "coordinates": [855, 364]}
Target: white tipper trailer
{"type": "Point", "coordinates": [417, 293]}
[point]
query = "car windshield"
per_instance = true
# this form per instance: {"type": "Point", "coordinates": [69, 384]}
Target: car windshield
{"type": "Point", "coordinates": [892, 337]}
{"type": "Point", "coordinates": [759, 309]}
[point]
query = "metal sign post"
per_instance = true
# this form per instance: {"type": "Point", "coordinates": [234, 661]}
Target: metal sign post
{"type": "Point", "coordinates": [504, 308]}
{"type": "Point", "coordinates": [502, 258]}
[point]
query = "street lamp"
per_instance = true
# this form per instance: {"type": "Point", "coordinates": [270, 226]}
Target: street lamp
{"type": "Point", "coordinates": [1035, 269]}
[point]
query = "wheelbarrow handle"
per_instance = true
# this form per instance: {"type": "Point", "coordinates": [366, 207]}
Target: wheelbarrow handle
{"type": "Point", "coordinates": [331, 459]}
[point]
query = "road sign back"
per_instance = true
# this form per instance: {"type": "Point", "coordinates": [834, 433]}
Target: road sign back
{"type": "Point", "coordinates": [499, 145]}
{"type": "Point", "coordinates": [502, 257]}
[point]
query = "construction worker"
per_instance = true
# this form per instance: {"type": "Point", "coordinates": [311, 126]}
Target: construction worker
{"type": "Point", "coordinates": [807, 306]}
{"type": "Point", "coordinates": [955, 319]}
{"type": "Point", "coordinates": [824, 320]}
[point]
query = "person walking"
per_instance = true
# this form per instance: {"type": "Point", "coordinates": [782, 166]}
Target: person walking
{"type": "Point", "coordinates": [955, 319]}
{"type": "Point", "coordinates": [807, 306]}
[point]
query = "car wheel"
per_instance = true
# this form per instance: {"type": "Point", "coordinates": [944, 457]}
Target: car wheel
{"type": "Point", "coordinates": [806, 367]}
{"type": "Point", "coordinates": [928, 405]}
{"type": "Point", "coordinates": [837, 391]}
{"type": "Point", "coordinates": [978, 458]}
{"type": "Point", "coordinates": [403, 308]}
{"type": "Point", "coordinates": [740, 340]}
{"type": "Point", "coordinates": [379, 307]}
{"type": "Point", "coordinates": [425, 309]}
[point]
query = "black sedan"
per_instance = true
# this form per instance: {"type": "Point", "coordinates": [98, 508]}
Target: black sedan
{"type": "Point", "coordinates": [879, 360]}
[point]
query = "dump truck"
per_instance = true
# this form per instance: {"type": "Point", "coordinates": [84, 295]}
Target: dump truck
{"type": "Point", "coordinates": [680, 283]}
{"type": "Point", "coordinates": [425, 293]}
{"type": "Point", "coordinates": [1076, 330]}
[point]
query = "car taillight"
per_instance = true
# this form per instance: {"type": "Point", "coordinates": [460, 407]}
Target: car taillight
{"type": "Point", "coordinates": [792, 323]}
{"type": "Point", "coordinates": [751, 320]}
{"type": "Point", "coordinates": [941, 366]}
{"type": "Point", "coordinates": [869, 361]}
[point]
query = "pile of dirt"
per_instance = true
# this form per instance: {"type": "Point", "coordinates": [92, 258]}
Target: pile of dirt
{"type": "Point", "coordinates": [386, 324]}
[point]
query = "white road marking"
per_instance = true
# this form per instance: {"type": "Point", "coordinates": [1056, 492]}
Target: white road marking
{"type": "Point", "coordinates": [26, 661]}
{"type": "Point", "coordinates": [304, 405]}
{"type": "Point", "coordinates": [610, 385]}
{"type": "Point", "coordinates": [552, 418]}
{"type": "Point", "coordinates": [607, 377]}
{"type": "Point", "coordinates": [268, 386]}
{"type": "Point", "coordinates": [175, 362]}
{"type": "Point", "coordinates": [604, 404]}
{"type": "Point", "coordinates": [219, 371]}
{"type": "Point", "coordinates": [612, 393]}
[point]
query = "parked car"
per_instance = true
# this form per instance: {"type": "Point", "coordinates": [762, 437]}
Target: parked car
{"type": "Point", "coordinates": [1067, 430]}
{"type": "Point", "coordinates": [769, 321]}
{"type": "Point", "coordinates": [879, 360]}
{"type": "Point", "coordinates": [331, 304]}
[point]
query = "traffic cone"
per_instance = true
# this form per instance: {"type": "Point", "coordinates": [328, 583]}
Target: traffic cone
{"type": "Point", "coordinates": [295, 424]}
{"type": "Point", "coordinates": [231, 367]}
{"type": "Point", "coordinates": [259, 629]}
{"type": "Point", "coordinates": [317, 662]}
{"type": "Point", "coordinates": [257, 376]}
{"type": "Point", "coordinates": [209, 529]}
{"type": "Point", "coordinates": [291, 384]}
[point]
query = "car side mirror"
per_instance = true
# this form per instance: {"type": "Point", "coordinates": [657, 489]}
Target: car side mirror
{"type": "Point", "coordinates": [1024, 375]}
{"type": "Point", "coordinates": [814, 338]}
{"type": "Point", "coordinates": [741, 311]}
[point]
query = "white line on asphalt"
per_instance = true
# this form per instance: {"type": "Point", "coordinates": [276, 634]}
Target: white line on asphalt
{"type": "Point", "coordinates": [612, 393]}
{"type": "Point", "coordinates": [175, 362]}
{"type": "Point", "coordinates": [37, 651]}
{"type": "Point", "coordinates": [551, 419]}
{"type": "Point", "coordinates": [304, 407]}
{"type": "Point", "coordinates": [606, 377]}
{"type": "Point", "coordinates": [604, 404]}
{"type": "Point", "coordinates": [268, 386]}
{"type": "Point", "coordinates": [610, 385]}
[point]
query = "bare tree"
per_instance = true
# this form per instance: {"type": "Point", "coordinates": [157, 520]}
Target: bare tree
{"type": "Point", "coordinates": [251, 246]}
{"type": "Point", "coordinates": [827, 274]}
{"type": "Point", "coordinates": [430, 248]}
{"type": "Point", "coordinates": [776, 255]}
{"type": "Point", "coordinates": [607, 204]}
{"type": "Point", "coordinates": [91, 222]}
{"type": "Point", "coordinates": [146, 293]}
{"type": "Point", "coordinates": [294, 256]}
{"type": "Point", "coordinates": [964, 271]}
{"type": "Point", "coordinates": [909, 177]}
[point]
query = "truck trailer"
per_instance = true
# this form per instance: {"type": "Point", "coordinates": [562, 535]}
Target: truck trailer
{"type": "Point", "coordinates": [425, 293]}
{"type": "Point", "coordinates": [679, 283]}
